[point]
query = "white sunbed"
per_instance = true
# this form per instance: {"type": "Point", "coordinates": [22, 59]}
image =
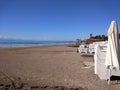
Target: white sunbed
{"type": "Point", "coordinates": [83, 49]}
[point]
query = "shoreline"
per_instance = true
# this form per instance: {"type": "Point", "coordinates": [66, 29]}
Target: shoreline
{"type": "Point", "coordinates": [27, 46]}
{"type": "Point", "coordinates": [17, 44]}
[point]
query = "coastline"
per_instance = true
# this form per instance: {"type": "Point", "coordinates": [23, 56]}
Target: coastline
{"type": "Point", "coordinates": [22, 44]}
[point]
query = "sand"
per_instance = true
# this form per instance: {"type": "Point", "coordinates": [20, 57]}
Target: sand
{"type": "Point", "coordinates": [52, 66]}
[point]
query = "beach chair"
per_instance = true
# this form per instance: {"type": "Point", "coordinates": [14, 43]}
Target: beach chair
{"type": "Point", "coordinates": [99, 61]}
{"type": "Point", "coordinates": [83, 49]}
{"type": "Point", "coordinates": [104, 73]}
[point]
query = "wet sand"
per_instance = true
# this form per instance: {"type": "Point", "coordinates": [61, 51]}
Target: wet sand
{"type": "Point", "coordinates": [52, 66]}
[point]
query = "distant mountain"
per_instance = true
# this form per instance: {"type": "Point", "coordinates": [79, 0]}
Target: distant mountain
{"type": "Point", "coordinates": [11, 40]}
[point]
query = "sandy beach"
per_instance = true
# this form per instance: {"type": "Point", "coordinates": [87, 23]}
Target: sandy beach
{"type": "Point", "coordinates": [52, 66]}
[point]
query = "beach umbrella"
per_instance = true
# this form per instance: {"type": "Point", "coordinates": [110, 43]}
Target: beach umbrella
{"type": "Point", "coordinates": [112, 53]}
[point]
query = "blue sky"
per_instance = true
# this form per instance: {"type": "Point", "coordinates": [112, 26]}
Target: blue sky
{"type": "Point", "coordinates": [56, 19]}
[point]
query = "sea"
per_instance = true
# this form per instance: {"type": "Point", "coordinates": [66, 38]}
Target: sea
{"type": "Point", "coordinates": [30, 43]}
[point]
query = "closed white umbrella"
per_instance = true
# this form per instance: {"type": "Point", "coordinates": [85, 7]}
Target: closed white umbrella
{"type": "Point", "coordinates": [112, 54]}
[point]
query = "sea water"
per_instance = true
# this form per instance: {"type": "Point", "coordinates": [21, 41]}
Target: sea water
{"type": "Point", "coordinates": [17, 44]}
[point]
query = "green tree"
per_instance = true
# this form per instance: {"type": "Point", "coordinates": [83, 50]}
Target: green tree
{"type": "Point", "coordinates": [91, 35]}
{"type": "Point", "coordinates": [78, 41]}
{"type": "Point", "coordinates": [101, 37]}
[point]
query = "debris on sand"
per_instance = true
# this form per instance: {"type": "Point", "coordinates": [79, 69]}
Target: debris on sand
{"type": "Point", "coordinates": [10, 83]}
{"type": "Point", "coordinates": [55, 88]}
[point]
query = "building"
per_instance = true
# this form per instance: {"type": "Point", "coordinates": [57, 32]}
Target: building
{"type": "Point", "coordinates": [91, 40]}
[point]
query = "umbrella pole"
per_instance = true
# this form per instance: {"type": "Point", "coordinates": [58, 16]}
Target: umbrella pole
{"type": "Point", "coordinates": [109, 73]}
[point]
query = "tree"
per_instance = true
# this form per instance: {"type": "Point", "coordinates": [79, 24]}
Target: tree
{"type": "Point", "coordinates": [78, 41]}
{"type": "Point", "coordinates": [103, 36]}
{"type": "Point", "coordinates": [91, 35]}
{"type": "Point", "coordinates": [99, 37]}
